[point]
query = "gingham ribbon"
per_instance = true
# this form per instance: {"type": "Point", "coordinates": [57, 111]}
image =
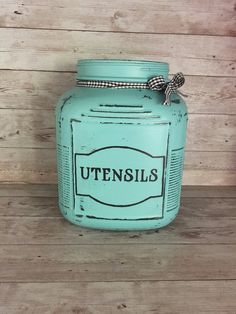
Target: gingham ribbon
{"type": "Point", "coordinates": [157, 83]}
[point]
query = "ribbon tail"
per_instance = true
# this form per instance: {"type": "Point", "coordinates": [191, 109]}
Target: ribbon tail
{"type": "Point", "coordinates": [168, 92]}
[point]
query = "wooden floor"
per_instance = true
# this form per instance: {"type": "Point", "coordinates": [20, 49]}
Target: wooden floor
{"type": "Point", "coordinates": [48, 265]}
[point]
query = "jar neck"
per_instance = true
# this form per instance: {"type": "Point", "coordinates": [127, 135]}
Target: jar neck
{"type": "Point", "coordinates": [120, 70]}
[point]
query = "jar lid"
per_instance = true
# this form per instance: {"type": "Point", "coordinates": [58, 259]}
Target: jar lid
{"type": "Point", "coordinates": [120, 70]}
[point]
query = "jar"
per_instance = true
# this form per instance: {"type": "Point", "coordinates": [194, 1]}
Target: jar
{"type": "Point", "coordinates": [120, 151]}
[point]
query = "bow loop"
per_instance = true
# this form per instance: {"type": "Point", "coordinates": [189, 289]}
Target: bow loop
{"type": "Point", "coordinates": [159, 83]}
{"type": "Point", "coordinates": [176, 82]}
{"type": "Point", "coordinates": [156, 83]}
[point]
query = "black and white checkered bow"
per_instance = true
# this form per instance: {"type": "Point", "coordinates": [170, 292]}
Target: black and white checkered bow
{"type": "Point", "coordinates": [157, 83]}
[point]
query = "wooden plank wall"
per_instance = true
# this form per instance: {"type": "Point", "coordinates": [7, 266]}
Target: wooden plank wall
{"type": "Point", "coordinates": [40, 42]}
{"type": "Point", "coordinates": [49, 266]}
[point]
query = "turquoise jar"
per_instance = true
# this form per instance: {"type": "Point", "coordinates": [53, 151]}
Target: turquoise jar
{"type": "Point", "coordinates": [120, 151]}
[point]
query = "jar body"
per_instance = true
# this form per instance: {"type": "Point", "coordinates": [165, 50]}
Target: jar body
{"type": "Point", "coordinates": [120, 157]}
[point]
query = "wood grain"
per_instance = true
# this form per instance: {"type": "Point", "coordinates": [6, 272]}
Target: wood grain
{"type": "Point", "coordinates": [43, 50]}
{"type": "Point", "coordinates": [36, 129]}
{"type": "Point", "coordinates": [218, 133]}
{"type": "Point", "coordinates": [47, 263]}
{"type": "Point", "coordinates": [186, 229]}
{"type": "Point", "coordinates": [206, 178]}
{"type": "Point", "coordinates": [51, 266]}
{"type": "Point", "coordinates": [40, 90]}
{"type": "Point", "coordinates": [202, 205]}
{"type": "Point", "coordinates": [28, 49]}
{"type": "Point", "coordinates": [201, 17]}
{"type": "Point", "coordinates": [28, 165]}
{"type": "Point", "coordinates": [27, 128]}
{"type": "Point", "coordinates": [31, 165]}
{"type": "Point", "coordinates": [33, 90]}
{"type": "Point", "coordinates": [50, 190]}
{"type": "Point", "coordinates": [37, 220]}
{"type": "Point", "coordinates": [29, 206]}
{"type": "Point", "coordinates": [200, 191]}
{"type": "Point", "coordinates": [46, 190]}
{"type": "Point", "coordinates": [154, 297]}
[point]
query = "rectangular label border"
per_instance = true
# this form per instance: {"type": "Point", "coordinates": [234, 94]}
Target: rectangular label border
{"type": "Point", "coordinates": [165, 160]}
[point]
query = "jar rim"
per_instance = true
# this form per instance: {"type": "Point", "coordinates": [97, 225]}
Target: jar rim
{"type": "Point", "coordinates": [131, 61]}
{"type": "Point", "coordinates": [124, 69]}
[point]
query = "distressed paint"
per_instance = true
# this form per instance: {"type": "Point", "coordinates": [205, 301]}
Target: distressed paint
{"type": "Point", "coordinates": [120, 151]}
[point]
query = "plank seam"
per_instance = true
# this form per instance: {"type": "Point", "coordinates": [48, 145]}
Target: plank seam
{"type": "Point", "coordinates": [186, 151]}
{"type": "Point", "coordinates": [114, 31]}
{"type": "Point", "coordinates": [223, 244]}
{"type": "Point", "coordinates": [134, 280]}
{"type": "Point", "coordinates": [61, 71]}
{"type": "Point", "coordinates": [189, 113]}
{"type": "Point", "coordinates": [53, 71]}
